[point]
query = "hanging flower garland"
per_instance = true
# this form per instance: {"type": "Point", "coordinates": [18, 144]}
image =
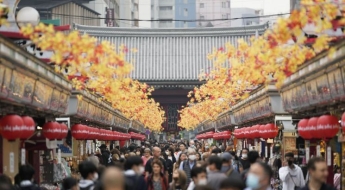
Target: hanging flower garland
{"type": "Point", "coordinates": [264, 59]}
{"type": "Point", "coordinates": [100, 68]}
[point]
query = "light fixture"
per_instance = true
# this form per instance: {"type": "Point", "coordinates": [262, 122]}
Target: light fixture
{"type": "Point", "coordinates": [27, 15]}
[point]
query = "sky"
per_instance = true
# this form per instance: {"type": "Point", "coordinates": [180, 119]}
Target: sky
{"type": "Point", "coordinates": [269, 6]}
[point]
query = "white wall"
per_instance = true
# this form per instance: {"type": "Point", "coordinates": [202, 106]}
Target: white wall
{"type": "Point", "coordinates": [144, 13]}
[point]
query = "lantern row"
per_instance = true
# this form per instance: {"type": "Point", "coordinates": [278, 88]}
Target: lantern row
{"type": "Point", "coordinates": [256, 131]}
{"type": "Point", "coordinates": [14, 127]}
{"type": "Point", "coordinates": [324, 127]}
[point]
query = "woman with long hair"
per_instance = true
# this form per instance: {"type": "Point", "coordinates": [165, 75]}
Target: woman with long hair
{"type": "Point", "coordinates": [182, 157]}
{"type": "Point", "coordinates": [157, 180]}
{"type": "Point", "coordinates": [179, 180]}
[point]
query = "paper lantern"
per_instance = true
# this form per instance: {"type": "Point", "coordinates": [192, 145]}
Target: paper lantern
{"type": "Point", "coordinates": [262, 131]}
{"type": "Point", "coordinates": [64, 131]}
{"type": "Point", "coordinates": [327, 126]}
{"type": "Point", "coordinates": [11, 127]}
{"type": "Point", "coordinates": [255, 131]}
{"type": "Point", "coordinates": [28, 128]}
{"type": "Point", "coordinates": [79, 131]}
{"type": "Point", "coordinates": [272, 130]}
{"type": "Point", "coordinates": [312, 125]}
{"type": "Point", "coordinates": [246, 134]}
{"type": "Point", "coordinates": [51, 130]}
{"type": "Point", "coordinates": [303, 130]}
{"type": "Point", "coordinates": [224, 135]}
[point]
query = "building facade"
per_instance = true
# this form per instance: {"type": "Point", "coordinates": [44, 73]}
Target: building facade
{"type": "Point", "coordinates": [215, 13]}
{"type": "Point", "coordinates": [129, 10]}
{"type": "Point", "coordinates": [174, 60]}
{"type": "Point", "coordinates": [109, 9]}
{"type": "Point", "coordinates": [145, 13]}
{"type": "Point", "coordinates": [243, 13]}
{"type": "Point", "coordinates": [64, 12]}
{"type": "Point", "coordinates": [163, 10]}
{"type": "Point", "coordinates": [185, 10]}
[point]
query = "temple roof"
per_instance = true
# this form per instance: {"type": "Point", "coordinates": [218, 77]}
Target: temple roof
{"type": "Point", "coordinates": [171, 54]}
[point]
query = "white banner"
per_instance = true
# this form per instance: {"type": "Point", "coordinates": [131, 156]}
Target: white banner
{"type": "Point", "coordinates": [59, 156]}
{"type": "Point", "coordinates": [329, 156]}
{"type": "Point", "coordinates": [22, 156]}
{"type": "Point", "coordinates": [11, 162]}
{"type": "Point", "coordinates": [307, 154]}
{"type": "Point", "coordinates": [318, 151]}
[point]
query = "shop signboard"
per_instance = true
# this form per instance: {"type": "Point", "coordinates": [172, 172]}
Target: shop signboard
{"type": "Point", "coordinates": [21, 87]}
{"type": "Point", "coordinates": [64, 97]}
{"type": "Point", "coordinates": [336, 85]}
{"type": "Point", "coordinates": [5, 90]}
{"type": "Point", "coordinates": [312, 92]}
{"type": "Point", "coordinates": [42, 95]}
{"type": "Point", "coordinates": [323, 89]}
{"type": "Point", "coordinates": [54, 101]}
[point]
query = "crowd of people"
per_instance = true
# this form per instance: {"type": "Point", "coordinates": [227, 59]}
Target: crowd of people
{"type": "Point", "coordinates": [180, 166]}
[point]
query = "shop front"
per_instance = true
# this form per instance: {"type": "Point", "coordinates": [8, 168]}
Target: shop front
{"type": "Point", "coordinates": [314, 96]}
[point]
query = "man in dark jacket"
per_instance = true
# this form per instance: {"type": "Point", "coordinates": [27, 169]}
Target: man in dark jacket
{"type": "Point", "coordinates": [26, 175]}
{"type": "Point", "coordinates": [134, 170]}
{"type": "Point", "coordinates": [105, 154]}
{"type": "Point", "coordinates": [318, 173]}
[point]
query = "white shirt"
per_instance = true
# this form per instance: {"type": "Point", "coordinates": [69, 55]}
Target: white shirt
{"type": "Point", "coordinates": [191, 186]}
{"type": "Point", "coordinates": [291, 177]}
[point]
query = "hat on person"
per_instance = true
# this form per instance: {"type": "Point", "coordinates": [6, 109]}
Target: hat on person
{"type": "Point", "coordinates": [226, 156]}
{"type": "Point", "coordinates": [103, 146]}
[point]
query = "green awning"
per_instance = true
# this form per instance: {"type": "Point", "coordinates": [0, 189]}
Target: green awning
{"type": "Point", "coordinates": [55, 22]}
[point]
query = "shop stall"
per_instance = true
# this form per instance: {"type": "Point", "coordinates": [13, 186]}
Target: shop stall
{"type": "Point", "coordinates": [316, 91]}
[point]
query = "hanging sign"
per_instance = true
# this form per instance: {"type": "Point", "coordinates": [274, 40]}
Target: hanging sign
{"type": "Point", "coordinates": [93, 147]}
{"type": "Point", "coordinates": [318, 152]}
{"type": "Point", "coordinates": [89, 145]}
{"type": "Point", "coordinates": [307, 154]}
{"type": "Point", "coordinates": [329, 156]}
{"type": "Point", "coordinates": [59, 156]}
{"type": "Point", "coordinates": [22, 158]}
{"type": "Point", "coordinates": [271, 151]}
{"type": "Point", "coordinates": [81, 150]}
{"type": "Point", "coordinates": [266, 151]}
{"type": "Point", "coordinates": [11, 162]}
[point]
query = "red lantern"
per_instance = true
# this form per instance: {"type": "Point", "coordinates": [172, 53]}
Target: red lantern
{"type": "Point", "coordinates": [64, 131]}
{"type": "Point", "coordinates": [11, 126]}
{"type": "Point", "coordinates": [256, 131]}
{"type": "Point", "coordinates": [272, 130]}
{"type": "Point", "coordinates": [327, 126]}
{"type": "Point", "coordinates": [312, 125]}
{"type": "Point", "coordinates": [246, 134]}
{"type": "Point", "coordinates": [303, 131]}
{"type": "Point", "coordinates": [240, 133]}
{"type": "Point", "coordinates": [251, 132]}
{"type": "Point", "coordinates": [79, 131]}
{"type": "Point", "coordinates": [263, 131]}
{"type": "Point", "coordinates": [51, 130]}
{"type": "Point", "coordinates": [224, 135]}
{"type": "Point", "coordinates": [28, 128]}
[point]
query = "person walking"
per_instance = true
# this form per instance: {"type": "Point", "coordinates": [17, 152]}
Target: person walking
{"type": "Point", "coordinates": [337, 178]}
{"type": "Point", "coordinates": [244, 160]}
{"type": "Point", "coordinates": [318, 173]}
{"type": "Point", "coordinates": [157, 180]}
{"type": "Point", "coordinates": [156, 151]}
{"type": "Point", "coordinates": [105, 155]}
{"type": "Point", "coordinates": [291, 175]}
{"type": "Point", "coordinates": [134, 170]}
{"type": "Point", "coordinates": [199, 177]}
{"type": "Point", "coordinates": [227, 168]}
{"type": "Point", "coordinates": [26, 175]}
{"type": "Point", "coordinates": [214, 175]}
{"type": "Point", "coordinates": [179, 180]}
{"type": "Point", "coordinates": [259, 177]}
{"type": "Point", "coordinates": [189, 164]}
{"type": "Point", "coordinates": [89, 174]}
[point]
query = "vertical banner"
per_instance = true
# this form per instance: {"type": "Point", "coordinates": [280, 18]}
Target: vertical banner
{"type": "Point", "coordinates": [307, 154]}
{"type": "Point", "coordinates": [89, 145]}
{"type": "Point", "coordinates": [11, 162]}
{"type": "Point", "coordinates": [93, 148]}
{"type": "Point", "coordinates": [318, 151]}
{"type": "Point", "coordinates": [59, 156]}
{"type": "Point", "coordinates": [266, 152]}
{"type": "Point", "coordinates": [22, 156]}
{"type": "Point", "coordinates": [81, 150]}
{"type": "Point", "coordinates": [329, 156]}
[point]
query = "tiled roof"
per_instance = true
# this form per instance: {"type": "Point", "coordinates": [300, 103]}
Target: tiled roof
{"type": "Point", "coordinates": [171, 54]}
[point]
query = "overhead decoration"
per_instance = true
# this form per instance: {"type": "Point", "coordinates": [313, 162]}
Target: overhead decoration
{"type": "Point", "coordinates": [11, 127]}
{"type": "Point", "coordinates": [28, 127]}
{"type": "Point", "coordinates": [51, 130]}
{"type": "Point", "coordinates": [100, 68]}
{"type": "Point", "coordinates": [268, 58]}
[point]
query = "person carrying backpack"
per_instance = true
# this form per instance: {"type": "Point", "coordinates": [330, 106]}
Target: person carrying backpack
{"type": "Point", "coordinates": [89, 174]}
{"type": "Point", "coordinates": [26, 176]}
{"type": "Point", "coordinates": [134, 170]}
